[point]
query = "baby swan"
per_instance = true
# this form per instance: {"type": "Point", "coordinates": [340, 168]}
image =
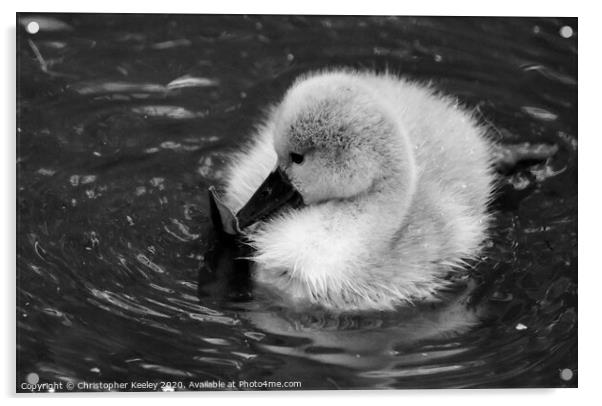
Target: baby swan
{"type": "Point", "coordinates": [394, 178]}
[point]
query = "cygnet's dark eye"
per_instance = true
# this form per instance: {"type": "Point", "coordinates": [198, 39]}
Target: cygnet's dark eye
{"type": "Point", "coordinates": [296, 158]}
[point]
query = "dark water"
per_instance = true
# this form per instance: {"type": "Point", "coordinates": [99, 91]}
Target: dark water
{"type": "Point", "coordinates": [119, 277]}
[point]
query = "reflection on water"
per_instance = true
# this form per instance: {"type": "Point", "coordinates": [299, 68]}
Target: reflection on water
{"type": "Point", "coordinates": [125, 120]}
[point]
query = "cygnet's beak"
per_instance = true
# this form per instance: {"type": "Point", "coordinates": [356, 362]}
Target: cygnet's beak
{"type": "Point", "coordinates": [274, 192]}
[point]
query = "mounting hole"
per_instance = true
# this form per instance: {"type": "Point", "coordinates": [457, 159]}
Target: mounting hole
{"type": "Point", "coordinates": [33, 378]}
{"type": "Point", "coordinates": [566, 374]}
{"type": "Point", "coordinates": [566, 32]}
{"type": "Point", "coordinates": [33, 27]}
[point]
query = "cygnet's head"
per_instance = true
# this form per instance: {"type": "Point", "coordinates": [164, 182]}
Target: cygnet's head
{"type": "Point", "coordinates": [335, 140]}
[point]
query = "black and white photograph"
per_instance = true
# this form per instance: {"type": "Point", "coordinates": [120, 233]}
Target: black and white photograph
{"type": "Point", "coordinates": [295, 202]}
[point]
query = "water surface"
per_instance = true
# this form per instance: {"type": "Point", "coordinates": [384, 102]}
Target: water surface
{"type": "Point", "coordinates": [125, 120]}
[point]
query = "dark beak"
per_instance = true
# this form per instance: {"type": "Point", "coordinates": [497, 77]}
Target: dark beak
{"type": "Point", "coordinates": [274, 192]}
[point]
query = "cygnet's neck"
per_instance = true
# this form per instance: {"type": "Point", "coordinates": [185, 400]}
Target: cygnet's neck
{"type": "Point", "coordinates": [393, 192]}
{"type": "Point", "coordinates": [386, 204]}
